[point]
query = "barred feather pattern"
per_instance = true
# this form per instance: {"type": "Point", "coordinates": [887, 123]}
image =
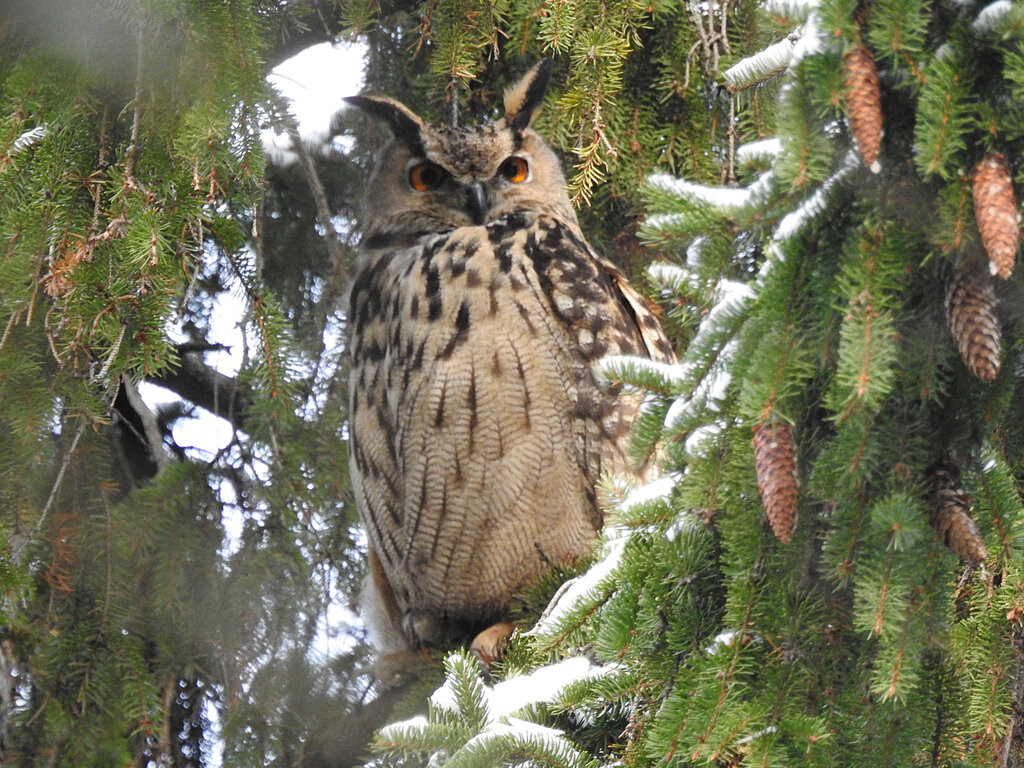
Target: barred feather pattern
{"type": "Point", "coordinates": [863, 103]}
{"type": "Point", "coordinates": [775, 464]}
{"type": "Point", "coordinates": [479, 422]}
{"type": "Point", "coordinates": [950, 513]}
{"type": "Point", "coordinates": [971, 314]}
{"type": "Point", "coordinates": [995, 210]}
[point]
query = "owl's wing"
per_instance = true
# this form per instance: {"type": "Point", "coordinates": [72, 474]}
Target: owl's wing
{"type": "Point", "coordinates": [655, 342]}
{"type": "Point", "coordinates": [604, 313]}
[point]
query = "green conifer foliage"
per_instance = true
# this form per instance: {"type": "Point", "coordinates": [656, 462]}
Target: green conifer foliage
{"type": "Point", "coordinates": [813, 294]}
{"type": "Point", "coordinates": [130, 170]}
{"type": "Point", "coordinates": [802, 289]}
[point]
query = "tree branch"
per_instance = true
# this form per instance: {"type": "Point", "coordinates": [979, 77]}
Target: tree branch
{"type": "Point", "coordinates": [207, 387]}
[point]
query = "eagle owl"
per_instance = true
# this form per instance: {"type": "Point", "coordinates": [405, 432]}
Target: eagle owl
{"type": "Point", "coordinates": [478, 422]}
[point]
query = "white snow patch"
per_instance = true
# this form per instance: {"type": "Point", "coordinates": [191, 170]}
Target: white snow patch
{"type": "Point", "coordinates": [722, 640]}
{"type": "Point", "coordinates": [658, 489]}
{"type": "Point", "coordinates": [811, 40]}
{"type": "Point", "coordinates": [792, 223]}
{"type": "Point", "coordinates": [990, 16]}
{"type": "Point", "coordinates": [758, 150]}
{"type": "Point", "coordinates": [616, 366]}
{"type": "Point", "coordinates": [686, 522]}
{"type": "Point", "coordinates": [767, 63]}
{"type": "Point", "coordinates": [695, 252]}
{"type": "Point", "coordinates": [29, 138]}
{"type": "Point", "coordinates": [673, 276]}
{"type": "Point", "coordinates": [542, 686]}
{"type": "Point", "coordinates": [720, 197]}
{"type": "Point", "coordinates": [663, 220]}
{"type": "Point", "coordinates": [696, 440]}
{"type": "Point", "coordinates": [419, 721]}
{"type": "Point", "coordinates": [710, 389]}
{"type": "Point", "coordinates": [797, 10]}
{"type": "Point", "coordinates": [553, 739]}
{"type": "Point", "coordinates": [585, 586]}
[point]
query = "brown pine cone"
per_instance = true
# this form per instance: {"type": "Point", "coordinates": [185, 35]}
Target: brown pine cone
{"type": "Point", "coordinates": [864, 103]}
{"type": "Point", "coordinates": [775, 464]}
{"type": "Point", "coordinates": [971, 314]}
{"type": "Point", "coordinates": [995, 209]}
{"type": "Point", "coordinates": [950, 513]}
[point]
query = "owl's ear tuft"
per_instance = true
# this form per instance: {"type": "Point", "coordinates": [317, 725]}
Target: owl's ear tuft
{"type": "Point", "coordinates": [523, 98]}
{"type": "Point", "coordinates": [404, 123]}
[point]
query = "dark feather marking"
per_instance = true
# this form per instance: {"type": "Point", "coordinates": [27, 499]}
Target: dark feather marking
{"type": "Point", "coordinates": [433, 281]}
{"type": "Point", "coordinates": [417, 361]}
{"type": "Point", "coordinates": [418, 514]}
{"type": "Point", "coordinates": [437, 530]}
{"type": "Point", "coordinates": [471, 404]}
{"type": "Point", "coordinates": [527, 400]}
{"type": "Point", "coordinates": [504, 254]}
{"type": "Point", "coordinates": [492, 291]}
{"type": "Point", "coordinates": [389, 433]}
{"type": "Point", "coordinates": [439, 414]}
{"type": "Point", "coordinates": [462, 318]}
{"type": "Point", "coordinates": [434, 310]}
{"type": "Point", "coordinates": [527, 318]}
{"type": "Point", "coordinates": [461, 331]}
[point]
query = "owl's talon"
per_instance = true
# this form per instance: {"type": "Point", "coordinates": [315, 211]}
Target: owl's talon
{"type": "Point", "coordinates": [488, 645]}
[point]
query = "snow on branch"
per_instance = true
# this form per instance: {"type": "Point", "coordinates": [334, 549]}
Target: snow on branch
{"type": "Point", "coordinates": [721, 197]}
{"type": "Point", "coordinates": [762, 149]}
{"type": "Point", "coordinates": [673, 277]}
{"type": "Point", "coordinates": [631, 366]}
{"type": "Point", "coordinates": [762, 66]}
{"type": "Point", "coordinates": [794, 10]}
{"type": "Point", "coordinates": [29, 138]}
{"type": "Point", "coordinates": [584, 588]}
{"type": "Point", "coordinates": [989, 17]}
{"type": "Point", "coordinates": [795, 221]}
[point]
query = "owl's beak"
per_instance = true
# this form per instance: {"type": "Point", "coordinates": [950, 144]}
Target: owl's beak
{"type": "Point", "coordinates": [477, 203]}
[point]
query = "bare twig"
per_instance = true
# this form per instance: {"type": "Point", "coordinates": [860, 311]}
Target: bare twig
{"type": "Point", "coordinates": [20, 544]}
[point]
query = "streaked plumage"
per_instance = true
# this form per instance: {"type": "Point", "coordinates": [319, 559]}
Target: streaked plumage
{"type": "Point", "coordinates": [478, 423]}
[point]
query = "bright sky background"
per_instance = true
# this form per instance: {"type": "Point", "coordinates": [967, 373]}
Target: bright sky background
{"type": "Point", "coordinates": [314, 82]}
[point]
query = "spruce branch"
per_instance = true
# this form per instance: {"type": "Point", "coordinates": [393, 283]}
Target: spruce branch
{"type": "Point", "coordinates": [19, 545]}
{"type": "Point", "coordinates": [199, 383]}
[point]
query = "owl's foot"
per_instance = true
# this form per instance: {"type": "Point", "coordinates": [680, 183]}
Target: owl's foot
{"type": "Point", "coordinates": [487, 646]}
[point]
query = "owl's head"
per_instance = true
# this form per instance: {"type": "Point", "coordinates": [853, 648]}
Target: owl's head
{"type": "Point", "coordinates": [434, 178]}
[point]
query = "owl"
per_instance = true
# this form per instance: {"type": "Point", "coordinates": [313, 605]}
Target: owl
{"type": "Point", "coordinates": [479, 423]}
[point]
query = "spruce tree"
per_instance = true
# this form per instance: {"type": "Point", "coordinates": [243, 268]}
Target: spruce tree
{"type": "Point", "coordinates": [822, 196]}
{"type": "Point", "coordinates": [828, 573]}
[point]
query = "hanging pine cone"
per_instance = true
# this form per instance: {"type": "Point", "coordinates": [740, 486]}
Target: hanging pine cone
{"type": "Point", "coordinates": [775, 464]}
{"type": "Point", "coordinates": [971, 313]}
{"type": "Point", "coordinates": [864, 103]}
{"type": "Point", "coordinates": [995, 209]}
{"type": "Point", "coordinates": [950, 513]}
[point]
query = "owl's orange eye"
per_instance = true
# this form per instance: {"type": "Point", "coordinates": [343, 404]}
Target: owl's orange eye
{"type": "Point", "coordinates": [515, 169]}
{"type": "Point", "coordinates": [426, 176]}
